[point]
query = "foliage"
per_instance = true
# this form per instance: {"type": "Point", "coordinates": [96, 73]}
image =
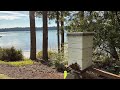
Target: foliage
{"type": "Point", "coordinates": [59, 60]}
{"type": "Point", "coordinates": [52, 14]}
{"type": "Point", "coordinates": [62, 60]}
{"type": "Point", "coordinates": [76, 22]}
{"type": "Point", "coordinates": [18, 63]}
{"type": "Point", "coordinates": [113, 69]}
{"type": "Point", "coordinates": [10, 54]}
{"type": "Point", "coordinates": [51, 54]}
{"type": "Point", "coordinates": [104, 62]}
{"type": "Point", "coordinates": [106, 26]}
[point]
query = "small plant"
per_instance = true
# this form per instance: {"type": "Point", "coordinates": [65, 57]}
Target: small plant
{"type": "Point", "coordinates": [10, 54]}
{"type": "Point", "coordinates": [59, 60]}
{"type": "Point", "coordinates": [60, 63]}
{"type": "Point", "coordinates": [51, 56]}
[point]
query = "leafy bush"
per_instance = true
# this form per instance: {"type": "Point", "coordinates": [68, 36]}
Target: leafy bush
{"type": "Point", "coordinates": [51, 54]}
{"type": "Point", "coordinates": [10, 54]}
{"type": "Point", "coordinates": [58, 60]}
{"type": "Point", "coordinates": [60, 67]}
{"type": "Point", "coordinates": [62, 59]}
{"type": "Point", "coordinates": [106, 63]}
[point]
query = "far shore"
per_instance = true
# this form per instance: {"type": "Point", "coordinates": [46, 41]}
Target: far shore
{"type": "Point", "coordinates": [26, 54]}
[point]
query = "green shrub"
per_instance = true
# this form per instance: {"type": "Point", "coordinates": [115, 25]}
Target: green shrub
{"type": "Point", "coordinates": [62, 59]}
{"type": "Point", "coordinates": [51, 54]}
{"type": "Point", "coordinates": [60, 66]}
{"type": "Point", "coordinates": [58, 60]}
{"type": "Point", "coordinates": [106, 63]}
{"type": "Point", "coordinates": [10, 54]}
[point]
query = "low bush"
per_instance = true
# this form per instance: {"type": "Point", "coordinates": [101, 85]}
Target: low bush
{"type": "Point", "coordinates": [106, 63]}
{"type": "Point", "coordinates": [58, 60]}
{"type": "Point", "coordinates": [51, 54]}
{"type": "Point", "coordinates": [10, 54]}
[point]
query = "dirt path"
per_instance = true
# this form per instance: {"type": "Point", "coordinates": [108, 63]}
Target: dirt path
{"type": "Point", "coordinates": [35, 71]}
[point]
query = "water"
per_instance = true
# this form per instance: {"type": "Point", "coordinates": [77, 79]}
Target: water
{"type": "Point", "coordinates": [21, 39]}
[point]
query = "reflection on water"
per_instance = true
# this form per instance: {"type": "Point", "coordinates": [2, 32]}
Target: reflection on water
{"type": "Point", "coordinates": [21, 39]}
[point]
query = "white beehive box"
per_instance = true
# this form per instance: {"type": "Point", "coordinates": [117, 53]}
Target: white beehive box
{"type": "Point", "coordinates": [80, 48]}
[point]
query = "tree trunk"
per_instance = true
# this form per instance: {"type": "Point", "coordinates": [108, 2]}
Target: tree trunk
{"type": "Point", "coordinates": [113, 51]}
{"type": "Point", "coordinates": [62, 32]}
{"type": "Point", "coordinates": [58, 35]}
{"type": "Point", "coordinates": [45, 36]}
{"type": "Point", "coordinates": [32, 35]}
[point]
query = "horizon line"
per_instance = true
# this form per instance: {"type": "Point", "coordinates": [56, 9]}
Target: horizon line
{"type": "Point", "coordinates": [24, 27]}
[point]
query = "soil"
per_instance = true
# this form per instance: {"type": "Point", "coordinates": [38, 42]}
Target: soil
{"type": "Point", "coordinates": [35, 71]}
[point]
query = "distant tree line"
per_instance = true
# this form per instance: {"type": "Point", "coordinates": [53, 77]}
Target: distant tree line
{"type": "Point", "coordinates": [25, 29]}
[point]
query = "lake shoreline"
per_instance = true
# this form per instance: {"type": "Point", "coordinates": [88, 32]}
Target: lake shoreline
{"type": "Point", "coordinates": [26, 54]}
{"type": "Point", "coordinates": [21, 39]}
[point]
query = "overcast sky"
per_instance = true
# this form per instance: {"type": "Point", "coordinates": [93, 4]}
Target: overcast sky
{"type": "Point", "coordinates": [10, 19]}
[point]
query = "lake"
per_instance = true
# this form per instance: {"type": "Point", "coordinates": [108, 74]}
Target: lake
{"type": "Point", "coordinates": [21, 39]}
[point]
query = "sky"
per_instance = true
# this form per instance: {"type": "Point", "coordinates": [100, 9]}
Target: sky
{"type": "Point", "coordinates": [11, 19]}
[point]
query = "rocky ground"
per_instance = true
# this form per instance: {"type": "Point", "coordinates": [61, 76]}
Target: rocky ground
{"type": "Point", "coordinates": [35, 71]}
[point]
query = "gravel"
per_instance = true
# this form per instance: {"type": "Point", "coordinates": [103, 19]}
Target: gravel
{"type": "Point", "coordinates": [35, 71]}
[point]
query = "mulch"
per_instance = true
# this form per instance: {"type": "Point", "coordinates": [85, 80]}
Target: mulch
{"type": "Point", "coordinates": [35, 71]}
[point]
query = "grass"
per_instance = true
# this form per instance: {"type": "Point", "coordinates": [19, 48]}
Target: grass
{"type": "Point", "coordinates": [18, 63]}
{"type": "Point", "coordinates": [15, 63]}
{"type": "Point", "coordinates": [2, 76]}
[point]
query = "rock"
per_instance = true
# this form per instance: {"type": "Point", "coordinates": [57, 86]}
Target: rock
{"type": "Point", "coordinates": [70, 76]}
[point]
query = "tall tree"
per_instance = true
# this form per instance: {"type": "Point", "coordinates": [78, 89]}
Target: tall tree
{"type": "Point", "coordinates": [45, 36]}
{"type": "Point", "coordinates": [58, 30]}
{"type": "Point", "coordinates": [55, 15]}
{"type": "Point", "coordinates": [62, 31]}
{"type": "Point", "coordinates": [32, 35]}
{"type": "Point", "coordinates": [60, 19]}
